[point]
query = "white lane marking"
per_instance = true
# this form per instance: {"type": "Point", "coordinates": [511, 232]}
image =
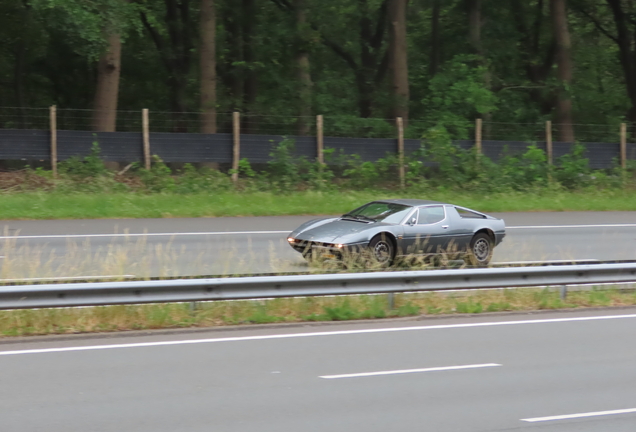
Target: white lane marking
{"type": "Point", "coordinates": [144, 234]}
{"type": "Point", "coordinates": [408, 371]}
{"type": "Point", "coordinates": [65, 278]}
{"type": "Point", "coordinates": [218, 233]}
{"type": "Point", "coordinates": [573, 226]}
{"type": "Point", "coordinates": [578, 261]}
{"type": "Point", "coordinates": [313, 334]}
{"type": "Point", "coordinates": [581, 415]}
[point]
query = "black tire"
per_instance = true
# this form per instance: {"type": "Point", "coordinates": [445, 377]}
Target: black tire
{"type": "Point", "coordinates": [382, 250]}
{"type": "Point", "coordinates": [480, 250]}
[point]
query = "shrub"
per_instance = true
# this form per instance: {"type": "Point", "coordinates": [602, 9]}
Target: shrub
{"type": "Point", "coordinates": [573, 168]}
{"type": "Point", "coordinates": [158, 178]}
{"type": "Point", "coordinates": [88, 166]}
{"type": "Point", "coordinates": [192, 180]}
{"type": "Point", "coordinates": [526, 171]}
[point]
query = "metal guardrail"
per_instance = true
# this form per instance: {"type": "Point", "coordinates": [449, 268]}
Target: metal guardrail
{"type": "Point", "coordinates": [243, 288]}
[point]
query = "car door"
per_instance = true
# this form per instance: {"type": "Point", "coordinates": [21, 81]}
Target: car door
{"type": "Point", "coordinates": [426, 232]}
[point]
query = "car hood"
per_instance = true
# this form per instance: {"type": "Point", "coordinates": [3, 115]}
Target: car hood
{"type": "Point", "coordinates": [336, 229]}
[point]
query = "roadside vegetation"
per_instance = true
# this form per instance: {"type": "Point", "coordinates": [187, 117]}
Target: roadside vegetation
{"type": "Point", "coordinates": [309, 309]}
{"type": "Point", "coordinates": [290, 185]}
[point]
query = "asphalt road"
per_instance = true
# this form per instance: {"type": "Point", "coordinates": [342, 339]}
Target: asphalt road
{"type": "Point", "coordinates": [549, 372]}
{"type": "Point", "coordinates": [175, 247]}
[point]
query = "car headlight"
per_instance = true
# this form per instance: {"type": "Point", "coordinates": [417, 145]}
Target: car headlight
{"type": "Point", "coordinates": [291, 239]}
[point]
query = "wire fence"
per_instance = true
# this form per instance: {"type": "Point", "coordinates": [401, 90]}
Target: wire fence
{"type": "Point", "coordinates": [335, 126]}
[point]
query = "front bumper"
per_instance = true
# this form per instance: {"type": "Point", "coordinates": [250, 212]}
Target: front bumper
{"type": "Point", "coordinates": [329, 250]}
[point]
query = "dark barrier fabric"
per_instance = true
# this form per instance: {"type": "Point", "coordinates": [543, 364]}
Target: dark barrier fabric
{"type": "Point", "coordinates": [191, 147]}
{"type": "Point", "coordinates": [369, 149]}
{"type": "Point", "coordinates": [257, 148]}
{"type": "Point", "coordinates": [603, 155]}
{"type": "Point", "coordinates": [496, 150]}
{"type": "Point", "coordinates": [24, 144]}
{"type": "Point", "coordinates": [114, 146]}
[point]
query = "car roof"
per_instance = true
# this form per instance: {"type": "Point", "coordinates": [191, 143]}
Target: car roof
{"type": "Point", "coordinates": [410, 202]}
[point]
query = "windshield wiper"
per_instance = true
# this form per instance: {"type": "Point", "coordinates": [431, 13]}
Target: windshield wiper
{"type": "Point", "coordinates": [358, 217]}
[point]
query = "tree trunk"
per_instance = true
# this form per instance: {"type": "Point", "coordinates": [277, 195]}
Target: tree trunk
{"type": "Point", "coordinates": [564, 70]}
{"type": "Point", "coordinates": [207, 58]}
{"type": "Point", "coordinates": [474, 38]}
{"type": "Point", "coordinates": [250, 83]}
{"type": "Point", "coordinates": [435, 39]}
{"type": "Point", "coordinates": [627, 55]}
{"type": "Point", "coordinates": [303, 71]}
{"type": "Point", "coordinates": [398, 59]}
{"type": "Point", "coordinates": [107, 90]}
{"type": "Point", "coordinates": [474, 26]}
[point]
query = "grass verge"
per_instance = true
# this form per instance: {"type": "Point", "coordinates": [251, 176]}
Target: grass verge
{"type": "Point", "coordinates": [343, 308]}
{"type": "Point", "coordinates": [51, 205]}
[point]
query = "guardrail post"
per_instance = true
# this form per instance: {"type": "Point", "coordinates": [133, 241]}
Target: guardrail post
{"type": "Point", "coordinates": [391, 301]}
{"type": "Point", "coordinates": [563, 291]}
{"type": "Point", "coordinates": [194, 306]}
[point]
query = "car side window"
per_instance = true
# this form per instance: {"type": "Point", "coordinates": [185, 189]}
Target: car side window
{"type": "Point", "coordinates": [430, 215]}
{"type": "Point", "coordinates": [467, 214]}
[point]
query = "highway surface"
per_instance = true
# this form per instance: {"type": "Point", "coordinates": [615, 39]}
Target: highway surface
{"type": "Point", "coordinates": [548, 372]}
{"type": "Point", "coordinates": [214, 246]}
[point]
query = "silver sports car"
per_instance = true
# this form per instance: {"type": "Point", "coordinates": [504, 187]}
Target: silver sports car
{"type": "Point", "coordinates": [394, 228]}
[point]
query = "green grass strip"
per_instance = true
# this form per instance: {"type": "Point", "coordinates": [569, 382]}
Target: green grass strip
{"type": "Point", "coordinates": [43, 205]}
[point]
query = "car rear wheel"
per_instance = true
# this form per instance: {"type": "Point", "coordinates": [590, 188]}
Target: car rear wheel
{"type": "Point", "coordinates": [480, 250]}
{"type": "Point", "coordinates": [382, 250]}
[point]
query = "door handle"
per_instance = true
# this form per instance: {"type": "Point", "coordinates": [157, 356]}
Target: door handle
{"type": "Point", "coordinates": [445, 226]}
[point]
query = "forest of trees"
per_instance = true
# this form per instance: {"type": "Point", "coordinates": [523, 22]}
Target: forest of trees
{"type": "Point", "coordinates": [505, 61]}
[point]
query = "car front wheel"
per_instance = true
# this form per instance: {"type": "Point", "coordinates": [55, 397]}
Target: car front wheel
{"type": "Point", "coordinates": [480, 250]}
{"type": "Point", "coordinates": [382, 250]}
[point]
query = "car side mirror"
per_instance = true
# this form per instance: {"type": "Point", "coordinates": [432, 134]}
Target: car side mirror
{"type": "Point", "coordinates": [413, 221]}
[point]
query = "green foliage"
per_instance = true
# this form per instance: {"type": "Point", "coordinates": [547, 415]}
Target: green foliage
{"type": "Point", "coordinates": [526, 171]}
{"type": "Point", "coordinates": [342, 312]}
{"type": "Point", "coordinates": [599, 297]}
{"type": "Point", "coordinates": [469, 307]}
{"type": "Point", "coordinates": [408, 309]}
{"type": "Point", "coordinates": [498, 307]}
{"type": "Point", "coordinates": [283, 167]}
{"type": "Point", "coordinates": [364, 174]}
{"type": "Point", "coordinates": [204, 180]}
{"type": "Point", "coordinates": [456, 167]}
{"type": "Point", "coordinates": [573, 168]}
{"type": "Point", "coordinates": [87, 174]}
{"type": "Point", "coordinates": [459, 92]}
{"type": "Point", "coordinates": [86, 167]}
{"type": "Point", "coordinates": [158, 178]}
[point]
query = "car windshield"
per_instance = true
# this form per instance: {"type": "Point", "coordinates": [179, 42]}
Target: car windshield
{"type": "Point", "coordinates": [380, 212]}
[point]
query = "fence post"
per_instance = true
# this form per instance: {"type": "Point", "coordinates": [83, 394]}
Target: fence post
{"type": "Point", "coordinates": [236, 151]}
{"type": "Point", "coordinates": [623, 145]}
{"type": "Point", "coordinates": [548, 141]}
{"type": "Point", "coordinates": [400, 131]}
{"type": "Point", "coordinates": [320, 140]}
{"type": "Point", "coordinates": [145, 128]}
{"type": "Point", "coordinates": [53, 127]}
{"type": "Point", "coordinates": [478, 135]}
